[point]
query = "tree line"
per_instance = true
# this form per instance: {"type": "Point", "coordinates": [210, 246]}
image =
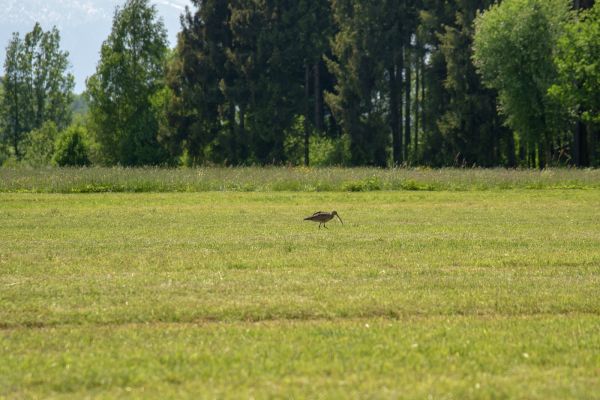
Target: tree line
{"type": "Point", "coordinates": [317, 82]}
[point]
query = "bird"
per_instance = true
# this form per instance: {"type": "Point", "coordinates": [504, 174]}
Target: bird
{"type": "Point", "coordinates": [323, 217]}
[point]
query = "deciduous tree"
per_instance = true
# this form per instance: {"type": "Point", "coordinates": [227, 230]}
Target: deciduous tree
{"type": "Point", "coordinates": [578, 86]}
{"type": "Point", "coordinates": [37, 85]}
{"type": "Point", "coordinates": [129, 75]}
{"type": "Point", "coordinates": [513, 51]}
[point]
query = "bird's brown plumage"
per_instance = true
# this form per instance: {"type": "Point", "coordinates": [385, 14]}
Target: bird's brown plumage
{"type": "Point", "coordinates": [323, 217]}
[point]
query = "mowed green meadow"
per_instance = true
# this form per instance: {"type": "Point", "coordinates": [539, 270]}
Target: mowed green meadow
{"type": "Point", "coordinates": [484, 294]}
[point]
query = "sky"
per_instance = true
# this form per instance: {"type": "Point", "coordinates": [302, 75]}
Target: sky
{"type": "Point", "coordinates": [83, 24]}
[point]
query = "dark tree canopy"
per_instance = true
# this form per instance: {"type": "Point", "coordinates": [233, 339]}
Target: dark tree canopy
{"type": "Point", "coordinates": [353, 82]}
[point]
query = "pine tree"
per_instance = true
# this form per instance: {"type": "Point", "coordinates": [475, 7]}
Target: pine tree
{"type": "Point", "coordinates": [471, 127]}
{"type": "Point", "coordinates": [239, 78]}
{"type": "Point", "coordinates": [364, 49]}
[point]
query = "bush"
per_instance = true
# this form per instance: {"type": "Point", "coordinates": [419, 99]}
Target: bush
{"type": "Point", "coordinates": [72, 148]}
{"type": "Point", "coordinates": [4, 154]}
{"type": "Point", "coordinates": [39, 145]}
{"type": "Point", "coordinates": [325, 151]}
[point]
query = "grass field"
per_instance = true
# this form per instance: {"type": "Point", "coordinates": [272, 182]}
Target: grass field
{"type": "Point", "coordinates": [440, 294]}
{"type": "Point", "coordinates": [277, 179]}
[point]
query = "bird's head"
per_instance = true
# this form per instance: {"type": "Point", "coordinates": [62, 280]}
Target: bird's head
{"type": "Point", "coordinates": [337, 215]}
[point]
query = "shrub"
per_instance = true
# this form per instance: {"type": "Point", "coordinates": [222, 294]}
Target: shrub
{"type": "Point", "coordinates": [365, 185]}
{"type": "Point", "coordinates": [325, 151]}
{"type": "Point", "coordinates": [4, 154]}
{"type": "Point", "coordinates": [39, 145]}
{"type": "Point", "coordinates": [72, 148]}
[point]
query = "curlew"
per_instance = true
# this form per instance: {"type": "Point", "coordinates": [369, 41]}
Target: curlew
{"type": "Point", "coordinates": [323, 217]}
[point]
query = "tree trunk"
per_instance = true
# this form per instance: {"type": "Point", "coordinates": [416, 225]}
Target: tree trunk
{"type": "Point", "coordinates": [580, 143]}
{"type": "Point", "coordinates": [16, 146]}
{"type": "Point", "coordinates": [245, 143]}
{"type": "Point", "coordinates": [495, 139]}
{"type": "Point", "coordinates": [399, 85]}
{"type": "Point", "coordinates": [422, 97]}
{"type": "Point", "coordinates": [531, 156]}
{"type": "Point", "coordinates": [318, 97]}
{"type": "Point", "coordinates": [407, 81]}
{"type": "Point", "coordinates": [593, 142]}
{"type": "Point", "coordinates": [511, 149]}
{"type": "Point", "coordinates": [306, 112]}
{"type": "Point", "coordinates": [417, 75]}
{"type": "Point", "coordinates": [16, 127]}
{"type": "Point", "coordinates": [522, 152]}
{"type": "Point", "coordinates": [233, 145]}
{"type": "Point", "coordinates": [394, 118]}
{"type": "Point", "coordinates": [549, 152]}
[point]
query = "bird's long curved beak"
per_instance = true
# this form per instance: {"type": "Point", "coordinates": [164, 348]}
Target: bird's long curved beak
{"type": "Point", "coordinates": [340, 219]}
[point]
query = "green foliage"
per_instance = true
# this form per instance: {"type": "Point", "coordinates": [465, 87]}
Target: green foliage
{"type": "Point", "coordinates": [72, 148]}
{"type": "Point", "coordinates": [577, 56]}
{"type": "Point", "coordinates": [193, 78]}
{"type": "Point", "coordinates": [238, 78]}
{"type": "Point", "coordinates": [366, 185]}
{"type": "Point", "coordinates": [37, 86]}
{"type": "Point", "coordinates": [367, 44]}
{"type": "Point", "coordinates": [52, 85]}
{"type": "Point", "coordinates": [513, 50]}
{"type": "Point", "coordinates": [15, 100]}
{"type": "Point", "coordinates": [128, 79]}
{"type": "Point", "coordinates": [350, 82]}
{"type": "Point", "coordinates": [80, 106]}
{"type": "Point", "coordinates": [326, 151]}
{"type": "Point", "coordinates": [39, 145]}
{"type": "Point", "coordinates": [434, 16]}
{"type": "Point", "coordinates": [471, 128]}
{"type": "Point", "coordinates": [294, 142]}
{"type": "Point", "coordinates": [4, 154]}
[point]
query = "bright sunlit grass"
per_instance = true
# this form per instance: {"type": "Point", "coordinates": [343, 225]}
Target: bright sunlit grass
{"type": "Point", "coordinates": [465, 294]}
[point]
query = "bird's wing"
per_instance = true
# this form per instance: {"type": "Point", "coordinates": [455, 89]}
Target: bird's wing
{"type": "Point", "coordinates": [314, 215]}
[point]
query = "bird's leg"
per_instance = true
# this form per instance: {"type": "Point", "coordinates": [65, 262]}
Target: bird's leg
{"type": "Point", "coordinates": [325, 226]}
{"type": "Point", "coordinates": [319, 225]}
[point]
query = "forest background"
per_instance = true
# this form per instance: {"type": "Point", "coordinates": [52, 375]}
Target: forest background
{"type": "Point", "coordinates": [512, 83]}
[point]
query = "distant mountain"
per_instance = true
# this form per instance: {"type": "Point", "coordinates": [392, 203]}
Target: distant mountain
{"type": "Point", "coordinates": [83, 24]}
